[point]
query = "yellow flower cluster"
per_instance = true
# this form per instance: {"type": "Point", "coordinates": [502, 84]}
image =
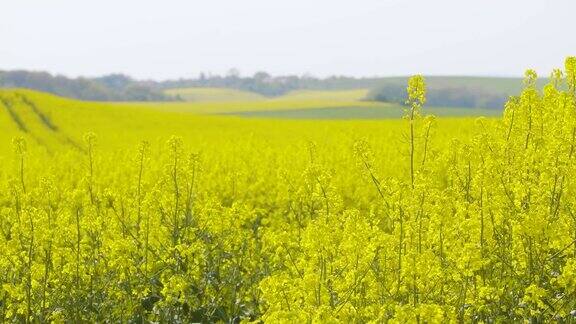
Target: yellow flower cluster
{"type": "Point", "coordinates": [455, 222]}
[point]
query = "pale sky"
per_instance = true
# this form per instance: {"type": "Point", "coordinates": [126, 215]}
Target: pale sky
{"type": "Point", "coordinates": [163, 39]}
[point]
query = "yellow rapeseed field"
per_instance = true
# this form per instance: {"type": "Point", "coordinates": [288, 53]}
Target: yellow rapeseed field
{"type": "Point", "coordinates": [123, 213]}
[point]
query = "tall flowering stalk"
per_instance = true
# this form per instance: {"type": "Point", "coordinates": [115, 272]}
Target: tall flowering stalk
{"type": "Point", "coordinates": [416, 100]}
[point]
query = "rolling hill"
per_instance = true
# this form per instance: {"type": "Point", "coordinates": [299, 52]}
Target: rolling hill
{"type": "Point", "coordinates": [381, 98]}
{"type": "Point", "coordinates": [53, 122]}
{"type": "Point", "coordinates": [213, 94]}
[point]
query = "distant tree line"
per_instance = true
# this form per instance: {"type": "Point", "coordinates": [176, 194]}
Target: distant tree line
{"type": "Point", "coordinates": [119, 87]}
{"type": "Point", "coordinates": [268, 85]}
{"type": "Point", "coordinates": [114, 87]}
{"type": "Point", "coordinates": [471, 92]}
